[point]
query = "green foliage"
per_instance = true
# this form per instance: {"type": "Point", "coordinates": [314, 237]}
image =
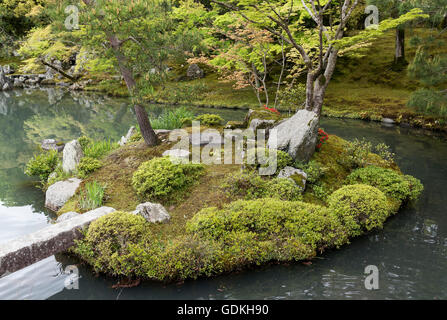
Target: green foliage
{"type": "Point", "coordinates": [357, 153]}
{"type": "Point", "coordinates": [109, 240]}
{"type": "Point", "coordinates": [136, 137]}
{"type": "Point", "coordinates": [159, 178]}
{"type": "Point", "coordinates": [98, 149]}
{"type": "Point", "coordinates": [85, 141]}
{"type": "Point", "coordinates": [93, 196]}
{"type": "Point", "coordinates": [399, 187]}
{"type": "Point", "coordinates": [42, 165]}
{"type": "Point", "coordinates": [384, 152]}
{"type": "Point", "coordinates": [280, 230]}
{"type": "Point", "coordinates": [88, 165]}
{"type": "Point", "coordinates": [57, 175]}
{"type": "Point", "coordinates": [260, 157]}
{"type": "Point", "coordinates": [249, 185]}
{"type": "Point", "coordinates": [210, 120]}
{"type": "Point", "coordinates": [172, 119]}
{"type": "Point", "coordinates": [360, 208]}
{"type": "Point", "coordinates": [314, 170]}
{"type": "Point", "coordinates": [183, 93]}
{"type": "Point", "coordinates": [293, 97]}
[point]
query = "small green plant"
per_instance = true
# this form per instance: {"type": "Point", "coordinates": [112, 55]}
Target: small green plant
{"type": "Point", "coordinates": [42, 165]}
{"type": "Point", "coordinates": [313, 169]}
{"type": "Point", "coordinates": [384, 151]}
{"type": "Point", "coordinates": [136, 137]}
{"type": "Point", "coordinates": [160, 177]}
{"type": "Point", "coordinates": [88, 165]}
{"type": "Point", "coordinates": [93, 196]}
{"type": "Point", "coordinates": [397, 186]}
{"type": "Point", "coordinates": [357, 153]}
{"type": "Point", "coordinates": [97, 149]}
{"type": "Point", "coordinates": [209, 120]}
{"type": "Point", "coordinates": [172, 119]}
{"type": "Point", "coordinates": [85, 141]}
{"type": "Point", "coordinates": [57, 175]}
{"type": "Point", "coordinates": [360, 208]}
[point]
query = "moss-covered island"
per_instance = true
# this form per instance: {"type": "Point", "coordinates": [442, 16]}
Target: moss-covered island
{"type": "Point", "coordinates": [225, 218]}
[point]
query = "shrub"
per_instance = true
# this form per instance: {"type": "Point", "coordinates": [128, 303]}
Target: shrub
{"type": "Point", "coordinates": [42, 165]}
{"type": "Point", "coordinates": [384, 151]}
{"type": "Point", "coordinates": [313, 169]}
{"type": "Point", "coordinates": [277, 226]}
{"type": "Point", "coordinates": [253, 162]}
{"type": "Point", "coordinates": [249, 185]}
{"type": "Point", "coordinates": [109, 239]}
{"type": "Point", "coordinates": [85, 141]}
{"type": "Point", "coordinates": [97, 149]}
{"type": "Point", "coordinates": [393, 184]}
{"type": "Point", "coordinates": [209, 120]}
{"type": "Point", "coordinates": [88, 165]}
{"type": "Point", "coordinates": [93, 196]}
{"type": "Point", "coordinates": [172, 119]}
{"type": "Point", "coordinates": [357, 153]}
{"type": "Point", "coordinates": [136, 137]}
{"type": "Point", "coordinates": [359, 207]}
{"type": "Point", "coordinates": [160, 177]}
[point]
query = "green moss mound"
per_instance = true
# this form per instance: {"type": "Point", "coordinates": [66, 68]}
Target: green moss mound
{"type": "Point", "coordinates": [249, 185]}
{"type": "Point", "coordinates": [289, 230]}
{"type": "Point", "coordinates": [209, 120]}
{"type": "Point", "coordinates": [160, 177]}
{"type": "Point", "coordinates": [397, 186]}
{"type": "Point", "coordinates": [360, 208]}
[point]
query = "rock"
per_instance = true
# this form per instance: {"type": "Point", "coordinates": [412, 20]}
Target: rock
{"type": "Point", "coordinates": [388, 121]}
{"type": "Point", "coordinates": [234, 125]}
{"type": "Point", "coordinates": [299, 177]}
{"type": "Point", "coordinates": [194, 72]}
{"type": "Point", "coordinates": [72, 155]}
{"type": "Point", "coordinates": [162, 131]}
{"type": "Point", "coordinates": [60, 192]}
{"type": "Point", "coordinates": [297, 135]}
{"type": "Point", "coordinates": [7, 69]}
{"type": "Point", "coordinates": [152, 212]}
{"type": "Point", "coordinates": [52, 144]}
{"type": "Point", "coordinates": [6, 86]}
{"type": "Point", "coordinates": [129, 134]}
{"type": "Point", "coordinates": [17, 83]}
{"type": "Point", "coordinates": [177, 153]}
{"type": "Point", "coordinates": [67, 216]}
{"type": "Point", "coordinates": [47, 82]}
{"type": "Point", "coordinates": [256, 124]}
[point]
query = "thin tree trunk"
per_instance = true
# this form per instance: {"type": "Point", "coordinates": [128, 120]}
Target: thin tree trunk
{"type": "Point", "coordinates": [150, 138]}
{"type": "Point", "coordinates": [399, 56]}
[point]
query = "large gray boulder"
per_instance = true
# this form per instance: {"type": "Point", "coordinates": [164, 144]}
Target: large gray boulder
{"type": "Point", "coordinates": [152, 212]}
{"type": "Point", "coordinates": [60, 192]}
{"type": "Point", "coordinates": [297, 176]}
{"type": "Point", "coordinates": [71, 156]}
{"type": "Point", "coordinates": [297, 135]}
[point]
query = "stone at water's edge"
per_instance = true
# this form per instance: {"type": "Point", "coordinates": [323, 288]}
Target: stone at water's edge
{"type": "Point", "coordinates": [72, 155]}
{"type": "Point", "coordinates": [297, 135]}
{"type": "Point", "coordinates": [26, 250]}
{"type": "Point", "coordinates": [52, 144]}
{"type": "Point", "coordinates": [297, 176]}
{"type": "Point", "coordinates": [60, 192]}
{"type": "Point", "coordinates": [152, 212]}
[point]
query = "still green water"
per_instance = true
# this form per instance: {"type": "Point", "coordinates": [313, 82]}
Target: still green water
{"type": "Point", "coordinates": [410, 252]}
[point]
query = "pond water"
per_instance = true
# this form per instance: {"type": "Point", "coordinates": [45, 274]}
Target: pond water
{"type": "Point", "coordinates": [410, 252]}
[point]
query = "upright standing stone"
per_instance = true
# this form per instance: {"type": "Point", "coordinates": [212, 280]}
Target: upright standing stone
{"type": "Point", "coordinates": [72, 155]}
{"type": "Point", "coordinates": [297, 135]}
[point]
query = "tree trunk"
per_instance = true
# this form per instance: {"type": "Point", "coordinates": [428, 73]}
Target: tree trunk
{"type": "Point", "coordinates": [150, 138]}
{"type": "Point", "coordinates": [399, 56]}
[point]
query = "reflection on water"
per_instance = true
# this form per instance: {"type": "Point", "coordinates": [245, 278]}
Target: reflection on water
{"type": "Point", "coordinates": [410, 253]}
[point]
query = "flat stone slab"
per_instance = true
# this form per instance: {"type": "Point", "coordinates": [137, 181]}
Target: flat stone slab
{"type": "Point", "coordinates": [24, 251]}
